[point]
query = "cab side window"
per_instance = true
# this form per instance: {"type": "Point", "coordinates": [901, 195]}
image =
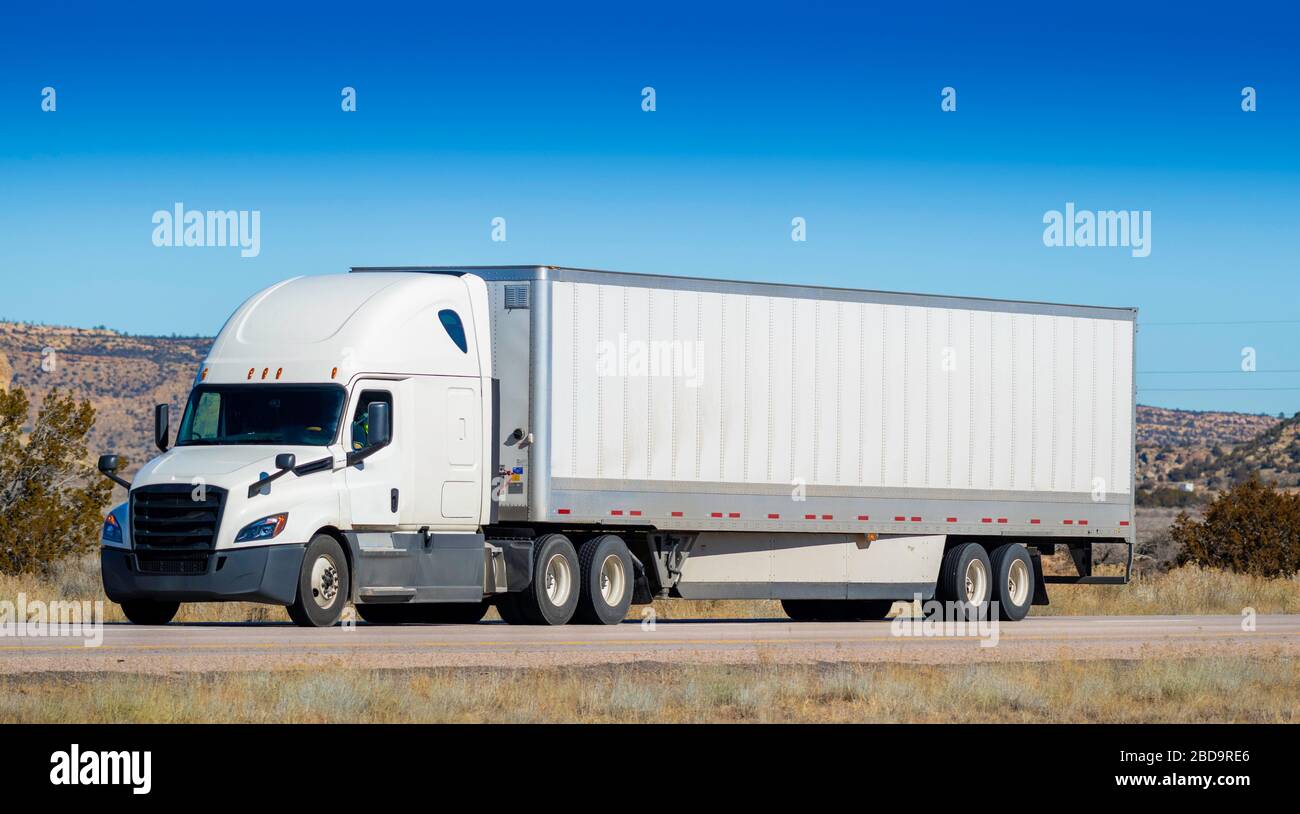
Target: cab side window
{"type": "Point", "coordinates": [360, 419]}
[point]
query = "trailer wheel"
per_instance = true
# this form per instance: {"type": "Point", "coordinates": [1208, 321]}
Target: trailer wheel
{"type": "Point", "coordinates": [1013, 581]}
{"type": "Point", "coordinates": [606, 590]}
{"type": "Point", "coordinates": [322, 584]}
{"type": "Point", "coordinates": [552, 597]}
{"type": "Point", "coordinates": [149, 612]}
{"type": "Point", "coordinates": [966, 577]}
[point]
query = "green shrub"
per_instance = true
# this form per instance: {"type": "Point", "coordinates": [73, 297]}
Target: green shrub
{"type": "Point", "coordinates": [1252, 528]}
{"type": "Point", "coordinates": [50, 496]}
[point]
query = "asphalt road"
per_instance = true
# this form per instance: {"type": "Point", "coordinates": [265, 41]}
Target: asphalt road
{"type": "Point", "coordinates": [209, 647]}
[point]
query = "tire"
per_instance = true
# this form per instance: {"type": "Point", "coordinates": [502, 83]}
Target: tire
{"type": "Point", "coordinates": [508, 609]}
{"type": "Point", "coordinates": [837, 610]}
{"type": "Point", "coordinates": [802, 610]}
{"type": "Point", "coordinates": [966, 577]}
{"type": "Point", "coordinates": [605, 591]}
{"type": "Point", "coordinates": [428, 613]}
{"type": "Point", "coordinates": [1013, 581]}
{"type": "Point", "coordinates": [552, 597]}
{"type": "Point", "coordinates": [149, 612]}
{"type": "Point", "coordinates": [323, 584]}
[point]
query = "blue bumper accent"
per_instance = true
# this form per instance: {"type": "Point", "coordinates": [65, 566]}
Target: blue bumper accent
{"type": "Point", "coordinates": [266, 574]}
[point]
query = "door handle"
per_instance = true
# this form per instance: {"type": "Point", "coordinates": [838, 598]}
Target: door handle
{"type": "Point", "coordinates": [392, 500]}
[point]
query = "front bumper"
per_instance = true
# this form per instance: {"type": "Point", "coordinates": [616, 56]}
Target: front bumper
{"type": "Point", "coordinates": [263, 574]}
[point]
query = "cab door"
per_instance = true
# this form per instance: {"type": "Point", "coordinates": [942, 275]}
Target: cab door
{"type": "Point", "coordinates": [374, 485]}
{"type": "Point", "coordinates": [448, 454]}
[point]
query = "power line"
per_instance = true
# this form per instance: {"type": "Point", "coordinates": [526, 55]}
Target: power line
{"type": "Point", "coordinates": [1280, 370]}
{"type": "Point", "coordinates": [1209, 389]}
{"type": "Point", "coordinates": [1223, 322]}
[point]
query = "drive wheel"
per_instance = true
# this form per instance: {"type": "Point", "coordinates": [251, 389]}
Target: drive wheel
{"type": "Point", "coordinates": [323, 584]}
{"type": "Point", "coordinates": [1013, 581]}
{"type": "Point", "coordinates": [966, 578]}
{"type": "Point", "coordinates": [552, 597]}
{"type": "Point", "coordinates": [149, 612]}
{"type": "Point", "coordinates": [508, 609]}
{"type": "Point", "coordinates": [606, 590]}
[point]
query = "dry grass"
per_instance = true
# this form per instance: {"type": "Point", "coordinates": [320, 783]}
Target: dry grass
{"type": "Point", "coordinates": [1187, 590]}
{"type": "Point", "coordinates": [1226, 689]}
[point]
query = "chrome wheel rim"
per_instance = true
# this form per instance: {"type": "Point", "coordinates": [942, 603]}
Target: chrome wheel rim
{"type": "Point", "coordinates": [559, 580]}
{"type": "Point", "coordinates": [613, 580]}
{"type": "Point", "coordinates": [977, 580]}
{"type": "Point", "coordinates": [324, 581]}
{"type": "Point", "coordinates": [1018, 582]}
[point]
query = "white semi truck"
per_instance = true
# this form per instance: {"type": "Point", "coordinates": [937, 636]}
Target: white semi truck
{"type": "Point", "coordinates": [427, 442]}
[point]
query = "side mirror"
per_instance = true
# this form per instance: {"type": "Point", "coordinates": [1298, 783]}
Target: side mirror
{"type": "Point", "coordinates": [285, 460]}
{"type": "Point", "coordinates": [108, 466]}
{"type": "Point", "coordinates": [380, 420]}
{"type": "Point", "coordinates": [161, 426]}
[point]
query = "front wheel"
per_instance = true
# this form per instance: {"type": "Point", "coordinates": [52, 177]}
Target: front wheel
{"type": "Point", "coordinates": [149, 612]}
{"type": "Point", "coordinates": [323, 584]}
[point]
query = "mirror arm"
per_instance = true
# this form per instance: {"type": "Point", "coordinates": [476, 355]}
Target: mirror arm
{"type": "Point", "coordinates": [360, 455]}
{"type": "Point", "coordinates": [318, 465]}
{"type": "Point", "coordinates": [267, 481]}
{"type": "Point", "coordinates": [125, 484]}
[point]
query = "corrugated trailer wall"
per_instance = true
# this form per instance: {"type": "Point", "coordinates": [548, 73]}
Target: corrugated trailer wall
{"type": "Point", "coordinates": [903, 414]}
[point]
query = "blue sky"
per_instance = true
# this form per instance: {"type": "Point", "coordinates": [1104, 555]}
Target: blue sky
{"type": "Point", "coordinates": [764, 113]}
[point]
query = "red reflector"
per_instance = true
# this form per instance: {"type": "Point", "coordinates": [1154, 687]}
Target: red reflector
{"type": "Point", "coordinates": [677, 514]}
{"type": "Point", "coordinates": [952, 520]}
{"type": "Point", "coordinates": [864, 517]}
{"type": "Point", "coordinates": [810, 517]}
{"type": "Point", "coordinates": [561, 511]}
{"type": "Point", "coordinates": [1068, 522]}
{"type": "Point", "coordinates": [616, 512]}
{"type": "Point", "coordinates": [715, 514]}
{"type": "Point", "coordinates": [986, 519]}
{"type": "Point", "coordinates": [899, 519]}
{"type": "Point", "coordinates": [774, 517]}
{"type": "Point", "coordinates": [1123, 522]}
{"type": "Point", "coordinates": [1002, 520]}
{"type": "Point", "coordinates": [635, 512]}
{"type": "Point", "coordinates": [733, 514]}
{"type": "Point", "coordinates": [1083, 522]}
{"type": "Point", "coordinates": [916, 520]}
{"type": "Point", "coordinates": [1034, 521]}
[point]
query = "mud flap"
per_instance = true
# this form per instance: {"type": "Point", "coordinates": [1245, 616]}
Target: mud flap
{"type": "Point", "coordinates": [1040, 585]}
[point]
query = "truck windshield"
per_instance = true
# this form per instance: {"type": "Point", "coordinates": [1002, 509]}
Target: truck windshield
{"type": "Point", "coordinates": [261, 414]}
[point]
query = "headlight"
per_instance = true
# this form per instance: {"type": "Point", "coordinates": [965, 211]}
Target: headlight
{"type": "Point", "coordinates": [112, 531]}
{"type": "Point", "coordinates": [263, 529]}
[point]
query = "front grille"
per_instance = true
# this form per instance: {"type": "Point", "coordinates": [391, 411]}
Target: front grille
{"type": "Point", "coordinates": [172, 517]}
{"type": "Point", "coordinates": [172, 562]}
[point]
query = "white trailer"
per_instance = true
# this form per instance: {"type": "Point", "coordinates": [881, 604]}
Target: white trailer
{"type": "Point", "coordinates": [563, 443]}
